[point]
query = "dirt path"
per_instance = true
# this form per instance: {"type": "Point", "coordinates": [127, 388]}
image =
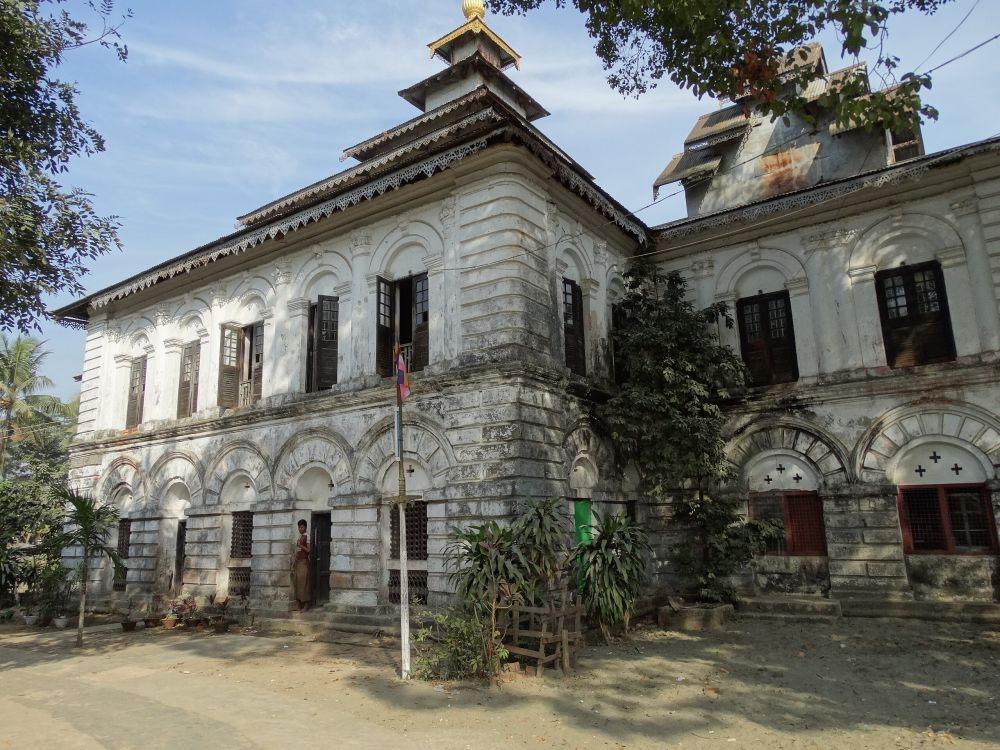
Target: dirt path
{"type": "Point", "coordinates": [856, 684]}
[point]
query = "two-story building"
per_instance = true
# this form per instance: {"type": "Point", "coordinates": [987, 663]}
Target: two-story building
{"type": "Point", "coordinates": [864, 277]}
{"type": "Point", "coordinates": [232, 390]}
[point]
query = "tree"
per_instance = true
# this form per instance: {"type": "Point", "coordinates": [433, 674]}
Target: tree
{"type": "Point", "coordinates": [22, 408]}
{"type": "Point", "coordinates": [667, 419]}
{"type": "Point", "coordinates": [88, 524]}
{"type": "Point", "coordinates": [48, 231]}
{"type": "Point", "coordinates": [742, 49]}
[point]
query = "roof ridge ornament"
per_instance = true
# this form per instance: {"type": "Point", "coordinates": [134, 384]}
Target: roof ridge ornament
{"type": "Point", "coordinates": [474, 9]}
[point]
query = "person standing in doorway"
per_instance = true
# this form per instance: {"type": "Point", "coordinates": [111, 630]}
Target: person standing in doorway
{"type": "Point", "coordinates": [301, 588]}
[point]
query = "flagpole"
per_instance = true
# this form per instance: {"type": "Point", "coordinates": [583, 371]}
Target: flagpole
{"type": "Point", "coordinates": [404, 583]}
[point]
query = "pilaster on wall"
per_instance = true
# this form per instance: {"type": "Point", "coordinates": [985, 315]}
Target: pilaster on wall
{"type": "Point", "coordinates": [355, 567]}
{"type": "Point", "coordinates": [270, 579]}
{"type": "Point", "coordinates": [202, 543]}
{"type": "Point", "coordinates": [865, 544]}
{"type": "Point", "coordinates": [987, 187]}
{"type": "Point", "coordinates": [143, 552]}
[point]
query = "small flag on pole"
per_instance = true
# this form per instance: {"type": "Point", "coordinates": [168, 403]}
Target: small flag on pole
{"type": "Point", "coordinates": [402, 376]}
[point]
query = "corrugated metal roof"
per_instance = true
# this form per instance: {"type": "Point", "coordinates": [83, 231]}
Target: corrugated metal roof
{"type": "Point", "coordinates": [688, 164]}
{"type": "Point", "coordinates": [734, 118]}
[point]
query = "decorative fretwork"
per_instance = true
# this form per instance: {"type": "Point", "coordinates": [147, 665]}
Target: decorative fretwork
{"type": "Point", "coordinates": [239, 581]}
{"type": "Point", "coordinates": [417, 580]}
{"type": "Point", "coordinates": [242, 543]}
{"type": "Point", "coordinates": [416, 531]}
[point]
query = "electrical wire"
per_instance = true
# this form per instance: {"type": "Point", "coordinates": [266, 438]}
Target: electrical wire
{"type": "Point", "coordinates": [949, 36]}
{"type": "Point", "coordinates": [967, 52]}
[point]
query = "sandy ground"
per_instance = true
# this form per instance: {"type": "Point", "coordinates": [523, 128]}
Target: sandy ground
{"type": "Point", "coordinates": [855, 684]}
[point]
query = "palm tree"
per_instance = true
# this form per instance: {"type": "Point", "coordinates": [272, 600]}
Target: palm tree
{"type": "Point", "coordinates": [20, 381]}
{"type": "Point", "coordinates": [88, 524]}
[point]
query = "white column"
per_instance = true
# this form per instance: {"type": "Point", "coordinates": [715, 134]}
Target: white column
{"type": "Point", "coordinates": [345, 350]}
{"type": "Point", "coordinates": [866, 312]}
{"type": "Point", "coordinates": [438, 350]}
{"type": "Point", "coordinates": [297, 342]}
{"type": "Point", "coordinates": [729, 336]}
{"type": "Point", "coordinates": [806, 350]}
{"type": "Point", "coordinates": [170, 378]}
{"type": "Point", "coordinates": [273, 355]}
{"type": "Point", "coordinates": [980, 273]}
{"type": "Point", "coordinates": [361, 360]}
{"type": "Point", "coordinates": [152, 394]}
{"type": "Point", "coordinates": [961, 304]}
{"type": "Point", "coordinates": [116, 404]}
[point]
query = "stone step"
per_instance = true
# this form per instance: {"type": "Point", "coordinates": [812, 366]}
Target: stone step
{"type": "Point", "coordinates": [977, 612]}
{"type": "Point", "coordinates": [370, 620]}
{"type": "Point", "coordinates": [788, 617]}
{"type": "Point", "coordinates": [328, 631]}
{"type": "Point", "coordinates": [808, 607]}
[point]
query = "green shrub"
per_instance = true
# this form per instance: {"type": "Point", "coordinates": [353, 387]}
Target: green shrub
{"type": "Point", "coordinates": [613, 566]}
{"type": "Point", "coordinates": [459, 645]}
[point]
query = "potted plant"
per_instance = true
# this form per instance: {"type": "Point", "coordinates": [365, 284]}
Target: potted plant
{"type": "Point", "coordinates": [30, 617]}
{"type": "Point", "coordinates": [154, 612]}
{"type": "Point", "coordinates": [221, 620]}
{"type": "Point", "coordinates": [128, 622]}
{"type": "Point", "coordinates": [172, 616]}
{"type": "Point", "coordinates": [55, 582]}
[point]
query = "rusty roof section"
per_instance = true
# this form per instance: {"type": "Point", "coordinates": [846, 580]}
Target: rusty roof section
{"type": "Point", "coordinates": [733, 120]}
{"type": "Point", "coordinates": [687, 165]}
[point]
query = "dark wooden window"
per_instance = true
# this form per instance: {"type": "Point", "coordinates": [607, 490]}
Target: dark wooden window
{"type": "Point", "coordinates": [801, 515]}
{"type": "Point", "coordinates": [322, 353]}
{"type": "Point", "coordinates": [916, 326]}
{"type": "Point", "coordinates": [416, 531]}
{"type": "Point", "coordinates": [947, 519]}
{"type": "Point", "coordinates": [617, 362]}
{"type": "Point", "coordinates": [767, 338]}
{"type": "Point", "coordinates": [402, 314]}
{"type": "Point", "coordinates": [241, 365]}
{"type": "Point", "coordinates": [124, 541]}
{"type": "Point", "coordinates": [136, 392]}
{"type": "Point", "coordinates": [241, 545]}
{"type": "Point", "coordinates": [187, 390]}
{"type": "Point", "coordinates": [575, 344]}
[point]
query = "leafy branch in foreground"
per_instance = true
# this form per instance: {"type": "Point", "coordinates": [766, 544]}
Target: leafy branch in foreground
{"type": "Point", "coordinates": [741, 49]}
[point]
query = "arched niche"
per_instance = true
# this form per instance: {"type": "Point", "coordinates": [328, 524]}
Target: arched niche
{"type": "Point", "coordinates": [781, 470]}
{"type": "Point", "coordinates": [238, 492]}
{"type": "Point", "coordinates": [762, 269]}
{"type": "Point", "coordinates": [175, 501]}
{"type": "Point", "coordinates": [937, 461]}
{"type": "Point", "coordinates": [906, 238]}
{"type": "Point", "coordinates": [417, 478]}
{"type": "Point", "coordinates": [963, 427]}
{"type": "Point", "coordinates": [423, 443]}
{"type": "Point", "coordinates": [314, 486]}
{"type": "Point", "coordinates": [245, 460]}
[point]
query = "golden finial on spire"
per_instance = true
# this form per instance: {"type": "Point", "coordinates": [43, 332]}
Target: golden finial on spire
{"type": "Point", "coordinates": [473, 9]}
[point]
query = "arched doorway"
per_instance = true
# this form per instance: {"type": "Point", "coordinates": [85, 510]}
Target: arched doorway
{"type": "Point", "coordinates": [312, 491]}
{"type": "Point", "coordinates": [173, 539]}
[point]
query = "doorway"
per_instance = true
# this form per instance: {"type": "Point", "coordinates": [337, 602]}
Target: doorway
{"type": "Point", "coordinates": [320, 542]}
{"type": "Point", "coordinates": [180, 553]}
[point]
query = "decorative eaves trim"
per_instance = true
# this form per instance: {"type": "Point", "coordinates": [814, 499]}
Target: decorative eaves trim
{"type": "Point", "coordinates": [296, 221]}
{"type": "Point", "coordinates": [261, 214]}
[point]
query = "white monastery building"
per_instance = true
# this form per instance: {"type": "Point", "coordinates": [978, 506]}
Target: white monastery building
{"type": "Point", "coordinates": [232, 390]}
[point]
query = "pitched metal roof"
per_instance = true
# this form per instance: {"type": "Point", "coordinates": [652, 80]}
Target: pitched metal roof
{"type": "Point", "coordinates": [689, 164]}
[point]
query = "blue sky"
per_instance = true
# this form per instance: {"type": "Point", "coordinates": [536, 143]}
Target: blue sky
{"type": "Point", "coordinates": [223, 106]}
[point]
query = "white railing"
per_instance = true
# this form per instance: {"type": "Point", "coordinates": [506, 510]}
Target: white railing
{"type": "Point", "coordinates": [407, 355]}
{"type": "Point", "coordinates": [246, 393]}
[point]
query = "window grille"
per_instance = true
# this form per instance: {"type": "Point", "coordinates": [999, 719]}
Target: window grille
{"type": "Point", "coordinates": [124, 536]}
{"type": "Point", "coordinates": [416, 531]}
{"type": "Point", "coordinates": [417, 580]}
{"type": "Point", "coordinates": [947, 519]}
{"type": "Point", "coordinates": [239, 581]}
{"type": "Point", "coordinates": [242, 541]}
{"type": "Point", "coordinates": [800, 514]}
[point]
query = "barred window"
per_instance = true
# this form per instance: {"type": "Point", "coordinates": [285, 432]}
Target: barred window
{"type": "Point", "coordinates": [417, 582]}
{"type": "Point", "coordinates": [124, 536]}
{"type": "Point", "coordinates": [416, 531]}
{"type": "Point", "coordinates": [801, 515]}
{"type": "Point", "coordinates": [947, 519]}
{"type": "Point", "coordinates": [239, 582]}
{"type": "Point", "coordinates": [242, 541]}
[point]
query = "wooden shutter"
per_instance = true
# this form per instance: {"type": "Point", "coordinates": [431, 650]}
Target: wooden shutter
{"type": "Point", "coordinates": [325, 343]}
{"type": "Point", "coordinates": [311, 351]}
{"type": "Point", "coordinates": [767, 338]}
{"type": "Point", "coordinates": [421, 323]}
{"type": "Point", "coordinates": [385, 316]}
{"type": "Point", "coordinates": [229, 366]}
{"type": "Point", "coordinates": [617, 358]}
{"type": "Point", "coordinates": [136, 392]}
{"type": "Point", "coordinates": [573, 327]}
{"type": "Point", "coordinates": [913, 307]}
{"type": "Point", "coordinates": [805, 533]}
{"type": "Point", "coordinates": [256, 361]}
{"type": "Point", "coordinates": [187, 390]}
